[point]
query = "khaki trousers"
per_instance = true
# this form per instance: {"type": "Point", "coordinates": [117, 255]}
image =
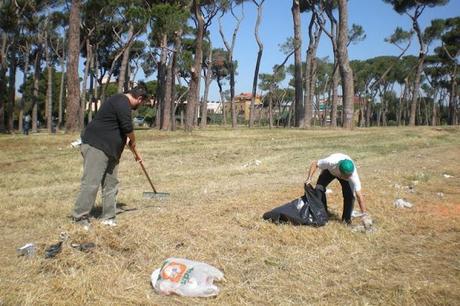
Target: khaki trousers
{"type": "Point", "coordinates": [98, 169]}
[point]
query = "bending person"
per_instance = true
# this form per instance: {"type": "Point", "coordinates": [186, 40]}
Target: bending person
{"type": "Point", "coordinates": [339, 166]}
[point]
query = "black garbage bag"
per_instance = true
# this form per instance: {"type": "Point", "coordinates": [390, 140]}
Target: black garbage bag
{"type": "Point", "coordinates": [306, 210]}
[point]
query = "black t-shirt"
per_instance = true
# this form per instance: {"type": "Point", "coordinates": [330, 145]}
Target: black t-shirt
{"type": "Point", "coordinates": [107, 131]}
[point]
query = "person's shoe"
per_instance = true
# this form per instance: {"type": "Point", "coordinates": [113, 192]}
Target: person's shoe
{"type": "Point", "coordinates": [83, 222]}
{"type": "Point", "coordinates": [109, 222]}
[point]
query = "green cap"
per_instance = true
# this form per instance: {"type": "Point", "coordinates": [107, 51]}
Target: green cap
{"type": "Point", "coordinates": [346, 167]}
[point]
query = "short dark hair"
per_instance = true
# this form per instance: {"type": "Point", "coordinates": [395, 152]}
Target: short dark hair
{"type": "Point", "coordinates": [138, 91]}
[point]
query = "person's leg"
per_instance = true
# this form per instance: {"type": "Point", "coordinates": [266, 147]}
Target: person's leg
{"type": "Point", "coordinates": [110, 190]}
{"type": "Point", "coordinates": [348, 201]}
{"type": "Point", "coordinates": [94, 165]}
{"type": "Point", "coordinates": [324, 179]}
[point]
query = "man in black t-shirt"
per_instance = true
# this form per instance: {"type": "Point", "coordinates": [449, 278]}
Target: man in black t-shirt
{"type": "Point", "coordinates": [103, 142]}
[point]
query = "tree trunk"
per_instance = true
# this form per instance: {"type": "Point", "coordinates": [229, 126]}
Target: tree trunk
{"type": "Point", "coordinates": [452, 114]}
{"type": "Point", "coordinates": [49, 88]}
{"type": "Point", "coordinates": [91, 87]}
{"type": "Point", "coordinates": [161, 81]}
{"type": "Point", "coordinates": [256, 69]}
{"type": "Point", "coordinates": [36, 89]}
{"type": "Point", "coordinates": [230, 48]}
{"type": "Point", "coordinates": [335, 96]}
{"type": "Point", "coordinates": [83, 99]}
{"type": "Point", "coordinates": [345, 68]}
{"type": "Point", "coordinates": [299, 107]}
{"type": "Point", "coordinates": [166, 117]}
{"type": "Point", "coordinates": [73, 123]}
{"type": "Point", "coordinates": [196, 69]}
{"type": "Point", "coordinates": [174, 101]}
{"type": "Point", "coordinates": [310, 69]}
{"type": "Point", "coordinates": [61, 93]}
{"type": "Point", "coordinates": [122, 79]}
{"type": "Point", "coordinates": [11, 92]}
{"type": "Point", "coordinates": [24, 82]}
{"type": "Point", "coordinates": [207, 83]}
{"type": "Point", "coordinates": [419, 71]}
{"type": "Point", "coordinates": [3, 68]}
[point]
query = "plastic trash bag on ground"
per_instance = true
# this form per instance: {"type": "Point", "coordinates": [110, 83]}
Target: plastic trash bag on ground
{"type": "Point", "coordinates": [186, 278]}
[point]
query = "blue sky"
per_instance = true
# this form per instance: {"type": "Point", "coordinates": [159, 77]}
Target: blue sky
{"type": "Point", "coordinates": [377, 18]}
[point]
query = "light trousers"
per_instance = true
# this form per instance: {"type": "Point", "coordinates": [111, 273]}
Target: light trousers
{"type": "Point", "coordinates": [98, 170]}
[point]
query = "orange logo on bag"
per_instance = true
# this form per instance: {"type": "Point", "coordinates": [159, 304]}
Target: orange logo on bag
{"type": "Point", "coordinates": [173, 271]}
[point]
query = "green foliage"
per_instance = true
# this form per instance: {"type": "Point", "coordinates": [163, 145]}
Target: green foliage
{"type": "Point", "coordinates": [27, 92]}
{"type": "Point", "coordinates": [356, 34]}
{"type": "Point", "coordinates": [399, 36]}
{"type": "Point", "coordinates": [402, 6]}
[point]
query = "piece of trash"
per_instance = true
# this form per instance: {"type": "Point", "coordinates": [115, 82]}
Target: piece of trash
{"type": "Point", "coordinates": [328, 191]}
{"type": "Point", "coordinates": [447, 175]}
{"type": "Point", "coordinates": [84, 247]}
{"type": "Point", "coordinates": [401, 203]}
{"type": "Point", "coordinates": [76, 143]}
{"type": "Point", "coordinates": [26, 250]}
{"type": "Point", "coordinates": [53, 250]}
{"type": "Point", "coordinates": [367, 222]}
{"type": "Point", "coordinates": [440, 194]}
{"type": "Point", "coordinates": [255, 162]}
{"type": "Point", "coordinates": [186, 278]}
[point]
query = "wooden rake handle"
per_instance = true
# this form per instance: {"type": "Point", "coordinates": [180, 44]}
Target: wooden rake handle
{"type": "Point", "coordinates": [139, 159]}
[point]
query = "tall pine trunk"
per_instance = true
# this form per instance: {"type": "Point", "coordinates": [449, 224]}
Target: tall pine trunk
{"type": "Point", "coordinates": [344, 64]}
{"type": "Point", "coordinates": [193, 93]}
{"type": "Point", "coordinates": [256, 69]}
{"type": "Point", "coordinates": [36, 80]}
{"type": "Point", "coordinates": [73, 123]}
{"type": "Point", "coordinates": [207, 84]}
{"type": "Point", "coordinates": [49, 88]}
{"type": "Point", "coordinates": [123, 80]}
{"type": "Point", "coordinates": [299, 107]}
{"type": "Point", "coordinates": [12, 91]}
{"type": "Point", "coordinates": [24, 89]}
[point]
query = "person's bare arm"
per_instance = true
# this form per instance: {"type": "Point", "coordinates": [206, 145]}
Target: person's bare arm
{"type": "Point", "coordinates": [311, 172]}
{"type": "Point", "coordinates": [361, 202]}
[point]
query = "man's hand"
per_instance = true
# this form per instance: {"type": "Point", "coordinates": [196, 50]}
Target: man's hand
{"type": "Point", "coordinates": [366, 220]}
{"type": "Point", "coordinates": [308, 181]}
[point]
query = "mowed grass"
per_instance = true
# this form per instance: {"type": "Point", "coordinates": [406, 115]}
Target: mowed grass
{"type": "Point", "coordinates": [221, 182]}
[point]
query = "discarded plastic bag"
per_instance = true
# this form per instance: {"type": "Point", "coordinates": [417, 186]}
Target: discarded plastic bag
{"type": "Point", "coordinates": [401, 203]}
{"type": "Point", "coordinates": [186, 278]}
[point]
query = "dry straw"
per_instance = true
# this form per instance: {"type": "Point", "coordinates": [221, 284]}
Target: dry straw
{"type": "Point", "coordinates": [221, 182]}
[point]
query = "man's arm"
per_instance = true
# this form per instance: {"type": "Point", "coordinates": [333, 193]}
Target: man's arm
{"type": "Point", "coordinates": [311, 171]}
{"type": "Point", "coordinates": [362, 204]}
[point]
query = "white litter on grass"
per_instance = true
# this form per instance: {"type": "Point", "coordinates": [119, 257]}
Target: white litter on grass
{"type": "Point", "coordinates": [26, 250]}
{"type": "Point", "coordinates": [447, 175]}
{"type": "Point", "coordinates": [328, 191]}
{"type": "Point", "coordinates": [440, 194]}
{"type": "Point", "coordinates": [76, 143]}
{"type": "Point", "coordinates": [401, 203]}
{"type": "Point", "coordinates": [255, 162]}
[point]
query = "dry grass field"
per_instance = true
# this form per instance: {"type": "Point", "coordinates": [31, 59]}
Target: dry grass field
{"type": "Point", "coordinates": [221, 182]}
